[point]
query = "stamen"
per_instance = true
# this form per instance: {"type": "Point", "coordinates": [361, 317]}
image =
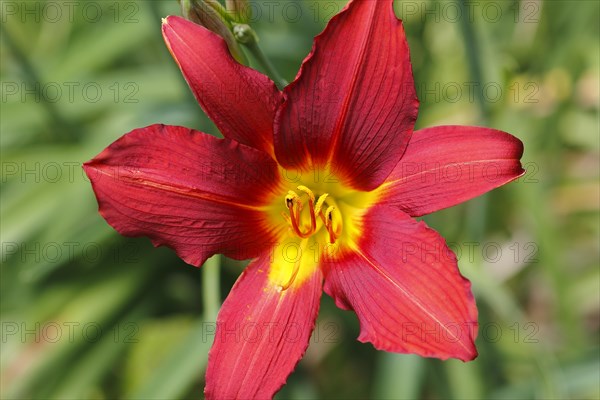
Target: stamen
{"type": "Point", "coordinates": [293, 276]}
{"type": "Point", "coordinates": [311, 205]}
{"type": "Point", "coordinates": [328, 220]}
{"type": "Point", "coordinates": [294, 204]}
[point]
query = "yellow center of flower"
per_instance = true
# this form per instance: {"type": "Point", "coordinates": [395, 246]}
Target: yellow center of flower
{"type": "Point", "coordinates": [317, 218]}
{"type": "Point", "coordinates": [316, 214]}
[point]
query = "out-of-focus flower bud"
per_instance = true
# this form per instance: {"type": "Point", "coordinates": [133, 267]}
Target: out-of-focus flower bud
{"type": "Point", "coordinates": [244, 34]}
{"type": "Point", "coordinates": [211, 15]}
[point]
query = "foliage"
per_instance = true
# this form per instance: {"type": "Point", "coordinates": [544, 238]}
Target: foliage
{"type": "Point", "coordinates": [86, 313]}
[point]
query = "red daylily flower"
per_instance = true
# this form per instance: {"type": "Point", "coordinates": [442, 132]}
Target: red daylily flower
{"type": "Point", "coordinates": [319, 184]}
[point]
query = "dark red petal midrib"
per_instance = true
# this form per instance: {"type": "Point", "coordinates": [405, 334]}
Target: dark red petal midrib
{"type": "Point", "coordinates": [350, 92]}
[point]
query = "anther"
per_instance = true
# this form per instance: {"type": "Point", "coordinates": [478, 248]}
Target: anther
{"type": "Point", "coordinates": [328, 220]}
{"type": "Point", "coordinates": [328, 213]}
{"type": "Point", "coordinates": [307, 191]}
{"type": "Point", "coordinates": [320, 203]}
{"type": "Point", "coordinates": [294, 204]}
{"type": "Point", "coordinates": [291, 198]}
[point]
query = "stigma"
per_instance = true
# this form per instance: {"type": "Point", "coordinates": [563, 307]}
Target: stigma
{"type": "Point", "coordinates": [304, 224]}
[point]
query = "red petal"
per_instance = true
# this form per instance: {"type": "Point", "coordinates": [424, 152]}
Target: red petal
{"type": "Point", "coordinates": [261, 334]}
{"type": "Point", "coordinates": [447, 165]}
{"type": "Point", "coordinates": [353, 103]}
{"type": "Point", "coordinates": [240, 101]}
{"type": "Point", "coordinates": [185, 189]}
{"type": "Point", "coordinates": [403, 283]}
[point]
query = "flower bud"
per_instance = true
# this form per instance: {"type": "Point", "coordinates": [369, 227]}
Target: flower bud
{"type": "Point", "coordinates": [211, 15]}
{"type": "Point", "coordinates": [244, 34]}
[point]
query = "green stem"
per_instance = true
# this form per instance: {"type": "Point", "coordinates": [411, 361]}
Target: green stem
{"type": "Point", "coordinates": [245, 35]}
{"type": "Point", "coordinates": [258, 54]}
{"type": "Point", "coordinates": [222, 11]}
{"type": "Point", "coordinates": [211, 287]}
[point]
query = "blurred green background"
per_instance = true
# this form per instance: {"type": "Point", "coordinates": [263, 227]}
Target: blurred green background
{"type": "Point", "coordinates": [87, 313]}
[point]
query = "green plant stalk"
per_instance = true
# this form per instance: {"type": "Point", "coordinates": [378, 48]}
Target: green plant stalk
{"type": "Point", "coordinates": [211, 287]}
{"type": "Point", "coordinates": [222, 11]}
{"type": "Point", "coordinates": [245, 35]}
{"type": "Point", "coordinates": [264, 62]}
{"type": "Point", "coordinates": [174, 377]}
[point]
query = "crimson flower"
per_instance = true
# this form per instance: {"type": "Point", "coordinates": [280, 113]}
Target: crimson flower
{"type": "Point", "coordinates": [318, 184]}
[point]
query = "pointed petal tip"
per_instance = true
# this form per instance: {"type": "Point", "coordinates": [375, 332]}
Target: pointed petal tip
{"type": "Point", "coordinates": [165, 23]}
{"type": "Point", "coordinates": [169, 26]}
{"type": "Point", "coordinates": [92, 167]}
{"type": "Point", "coordinates": [169, 19]}
{"type": "Point", "coordinates": [465, 352]}
{"type": "Point", "coordinates": [241, 101]}
{"type": "Point", "coordinates": [466, 162]}
{"type": "Point", "coordinates": [470, 356]}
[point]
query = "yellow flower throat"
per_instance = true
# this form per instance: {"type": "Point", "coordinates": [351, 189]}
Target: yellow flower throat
{"type": "Point", "coordinates": [314, 225]}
